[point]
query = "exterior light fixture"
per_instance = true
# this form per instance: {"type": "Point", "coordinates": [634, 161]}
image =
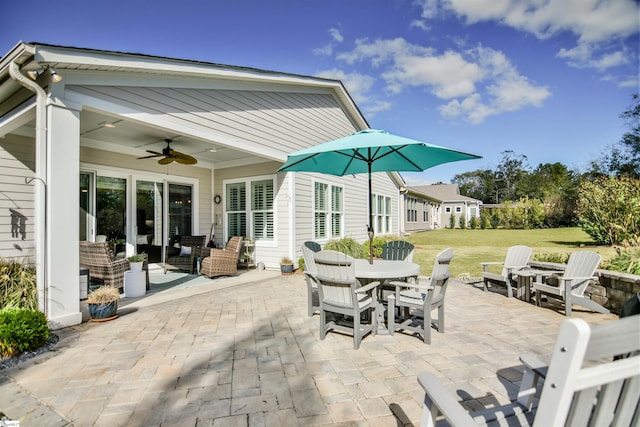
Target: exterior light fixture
{"type": "Point", "coordinates": [34, 74]}
{"type": "Point", "coordinates": [55, 77]}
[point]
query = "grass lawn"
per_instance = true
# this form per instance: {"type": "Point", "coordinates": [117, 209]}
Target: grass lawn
{"type": "Point", "coordinates": [471, 247]}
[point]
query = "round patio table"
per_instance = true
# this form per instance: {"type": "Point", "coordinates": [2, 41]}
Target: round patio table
{"type": "Point", "coordinates": [384, 270]}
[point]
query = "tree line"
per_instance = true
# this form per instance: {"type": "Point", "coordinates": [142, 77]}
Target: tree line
{"type": "Point", "coordinates": [604, 200]}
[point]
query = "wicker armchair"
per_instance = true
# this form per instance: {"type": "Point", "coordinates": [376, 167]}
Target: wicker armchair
{"type": "Point", "coordinates": [222, 262]}
{"type": "Point", "coordinates": [181, 258]}
{"type": "Point", "coordinates": [97, 258]}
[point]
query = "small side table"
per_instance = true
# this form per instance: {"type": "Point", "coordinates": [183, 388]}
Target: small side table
{"type": "Point", "coordinates": [134, 284]}
{"type": "Point", "coordinates": [526, 278]}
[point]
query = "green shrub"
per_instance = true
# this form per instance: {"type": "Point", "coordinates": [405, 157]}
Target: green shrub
{"type": "Point", "coordinates": [22, 330]}
{"type": "Point", "coordinates": [473, 223]}
{"type": "Point", "coordinates": [552, 257]}
{"type": "Point", "coordinates": [348, 246]}
{"type": "Point", "coordinates": [452, 221]}
{"type": "Point", "coordinates": [462, 222]}
{"type": "Point", "coordinates": [378, 243]}
{"type": "Point", "coordinates": [626, 261]}
{"type": "Point", "coordinates": [17, 285]}
{"type": "Point", "coordinates": [301, 263]}
{"type": "Point", "coordinates": [609, 210]}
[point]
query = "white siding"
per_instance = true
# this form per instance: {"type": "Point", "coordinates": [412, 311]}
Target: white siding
{"type": "Point", "coordinates": [17, 162]}
{"type": "Point", "coordinates": [279, 121]}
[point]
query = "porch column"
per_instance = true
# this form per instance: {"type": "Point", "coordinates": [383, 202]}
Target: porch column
{"type": "Point", "coordinates": [62, 214]}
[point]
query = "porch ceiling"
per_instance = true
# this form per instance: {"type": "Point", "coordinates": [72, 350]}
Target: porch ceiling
{"type": "Point", "coordinates": [127, 137]}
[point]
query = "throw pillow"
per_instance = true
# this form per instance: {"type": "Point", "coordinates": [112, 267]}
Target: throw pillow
{"type": "Point", "coordinates": [185, 251]}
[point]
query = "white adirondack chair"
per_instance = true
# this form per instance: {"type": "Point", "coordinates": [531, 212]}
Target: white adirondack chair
{"type": "Point", "coordinates": [417, 301]}
{"type": "Point", "coordinates": [341, 294]}
{"type": "Point", "coordinates": [309, 250]}
{"type": "Point", "coordinates": [587, 383]}
{"type": "Point", "coordinates": [516, 259]}
{"type": "Point", "coordinates": [573, 282]}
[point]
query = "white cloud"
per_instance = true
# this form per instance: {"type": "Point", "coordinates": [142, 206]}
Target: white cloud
{"type": "Point", "coordinates": [327, 50]}
{"type": "Point", "coordinates": [590, 20]}
{"type": "Point", "coordinates": [477, 83]}
{"type": "Point", "coordinates": [336, 35]}
{"type": "Point", "coordinates": [449, 75]}
{"type": "Point", "coordinates": [357, 84]}
{"type": "Point", "coordinates": [594, 23]}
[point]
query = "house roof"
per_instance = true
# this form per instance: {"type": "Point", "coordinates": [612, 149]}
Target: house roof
{"type": "Point", "coordinates": [34, 55]}
{"type": "Point", "coordinates": [442, 193]}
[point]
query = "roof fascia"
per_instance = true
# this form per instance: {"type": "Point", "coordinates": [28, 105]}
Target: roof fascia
{"type": "Point", "coordinates": [20, 54]}
{"type": "Point", "coordinates": [423, 196]}
{"type": "Point", "coordinates": [94, 59]}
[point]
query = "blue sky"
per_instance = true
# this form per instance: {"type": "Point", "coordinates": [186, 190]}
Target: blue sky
{"type": "Point", "coordinates": [546, 79]}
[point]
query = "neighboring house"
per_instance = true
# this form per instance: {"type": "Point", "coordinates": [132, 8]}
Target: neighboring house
{"type": "Point", "coordinates": [429, 207]}
{"type": "Point", "coordinates": [74, 124]}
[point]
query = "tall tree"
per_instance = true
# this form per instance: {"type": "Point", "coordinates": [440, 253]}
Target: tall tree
{"type": "Point", "coordinates": [509, 174]}
{"type": "Point", "coordinates": [623, 158]}
{"type": "Point", "coordinates": [556, 187]}
{"type": "Point", "coordinates": [478, 184]}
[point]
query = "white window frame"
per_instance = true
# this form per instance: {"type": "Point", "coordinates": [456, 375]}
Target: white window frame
{"type": "Point", "coordinates": [330, 213]}
{"type": "Point", "coordinates": [447, 209]}
{"type": "Point", "coordinates": [458, 209]}
{"type": "Point", "coordinates": [248, 210]}
{"type": "Point", "coordinates": [381, 205]}
{"type": "Point", "coordinates": [412, 209]}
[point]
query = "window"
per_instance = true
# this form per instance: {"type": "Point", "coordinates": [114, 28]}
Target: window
{"type": "Point", "coordinates": [236, 209]}
{"type": "Point", "coordinates": [425, 212]}
{"type": "Point", "coordinates": [381, 213]}
{"type": "Point", "coordinates": [458, 209]}
{"type": "Point", "coordinates": [447, 209]}
{"type": "Point", "coordinates": [412, 209]}
{"type": "Point", "coordinates": [262, 209]}
{"type": "Point", "coordinates": [258, 214]}
{"type": "Point", "coordinates": [328, 211]}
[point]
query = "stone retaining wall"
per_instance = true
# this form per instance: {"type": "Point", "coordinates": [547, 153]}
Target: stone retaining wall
{"type": "Point", "coordinates": [611, 289]}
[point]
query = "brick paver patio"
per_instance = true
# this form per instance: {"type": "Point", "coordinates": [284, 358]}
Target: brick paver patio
{"type": "Point", "coordinates": [241, 351]}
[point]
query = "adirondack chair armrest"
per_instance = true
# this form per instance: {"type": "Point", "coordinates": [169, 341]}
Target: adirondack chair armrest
{"type": "Point", "coordinates": [364, 289]}
{"type": "Point", "coordinates": [438, 399]}
{"type": "Point", "coordinates": [485, 265]}
{"type": "Point", "coordinates": [408, 285]}
{"type": "Point", "coordinates": [578, 278]}
{"type": "Point", "coordinates": [532, 362]}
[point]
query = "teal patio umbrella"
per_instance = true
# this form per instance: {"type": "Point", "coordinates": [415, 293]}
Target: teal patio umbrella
{"type": "Point", "coordinates": [368, 151]}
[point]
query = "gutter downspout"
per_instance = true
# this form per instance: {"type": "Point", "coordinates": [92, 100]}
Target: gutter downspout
{"type": "Point", "coordinates": [41, 190]}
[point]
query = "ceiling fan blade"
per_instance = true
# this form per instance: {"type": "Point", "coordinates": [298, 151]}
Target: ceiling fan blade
{"type": "Point", "coordinates": [185, 159]}
{"type": "Point", "coordinates": [153, 154]}
{"type": "Point", "coordinates": [166, 161]}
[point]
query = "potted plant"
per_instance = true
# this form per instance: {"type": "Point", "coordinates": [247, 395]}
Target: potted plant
{"type": "Point", "coordinates": [136, 261]}
{"type": "Point", "coordinates": [286, 265]}
{"type": "Point", "coordinates": [103, 303]}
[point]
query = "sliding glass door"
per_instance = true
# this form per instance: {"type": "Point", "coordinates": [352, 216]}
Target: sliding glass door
{"type": "Point", "coordinates": [133, 213]}
{"type": "Point", "coordinates": [149, 219]}
{"type": "Point", "coordinates": [111, 212]}
{"type": "Point", "coordinates": [180, 211]}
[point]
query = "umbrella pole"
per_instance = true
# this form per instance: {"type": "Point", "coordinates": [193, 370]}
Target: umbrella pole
{"type": "Point", "coordinates": [370, 230]}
